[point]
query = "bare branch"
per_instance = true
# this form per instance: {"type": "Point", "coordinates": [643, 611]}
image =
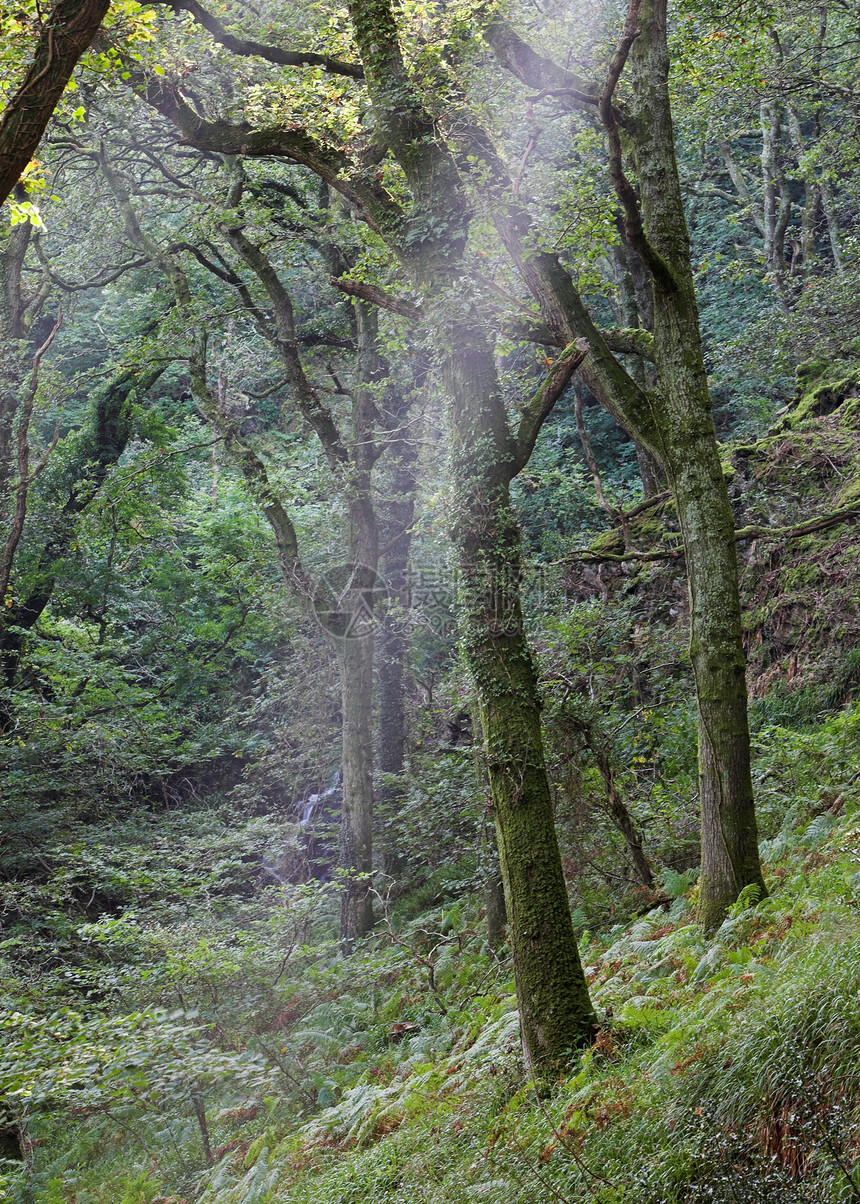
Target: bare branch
{"type": "Point", "coordinates": [541, 405]}
{"type": "Point", "coordinates": [378, 296]}
{"type": "Point", "coordinates": [272, 54]}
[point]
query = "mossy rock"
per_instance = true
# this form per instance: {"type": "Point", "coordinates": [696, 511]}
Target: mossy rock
{"type": "Point", "coordinates": [823, 387]}
{"type": "Point", "coordinates": [608, 543]}
{"type": "Point", "coordinates": [645, 530]}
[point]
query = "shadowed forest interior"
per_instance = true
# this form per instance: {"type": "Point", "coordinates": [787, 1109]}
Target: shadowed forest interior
{"type": "Point", "coordinates": [429, 602]}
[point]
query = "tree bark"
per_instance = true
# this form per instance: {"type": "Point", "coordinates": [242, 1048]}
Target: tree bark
{"type": "Point", "coordinates": [555, 1010]}
{"type": "Point", "coordinates": [496, 907]}
{"type": "Point", "coordinates": [828, 204]}
{"type": "Point", "coordinates": [66, 34]}
{"type": "Point", "coordinates": [811, 191]}
{"type": "Point", "coordinates": [730, 859]}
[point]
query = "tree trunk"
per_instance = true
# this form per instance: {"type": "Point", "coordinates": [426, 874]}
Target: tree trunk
{"type": "Point", "coordinates": [555, 1009]}
{"type": "Point", "coordinates": [811, 192]}
{"type": "Point", "coordinates": [777, 200]}
{"type": "Point", "coordinates": [730, 858]}
{"type": "Point", "coordinates": [396, 519]}
{"type": "Point", "coordinates": [355, 648]}
{"type": "Point", "coordinates": [497, 911]}
{"type": "Point", "coordinates": [355, 661]}
{"type": "Point", "coordinates": [11, 358]}
{"type": "Point", "coordinates": [628, 269]}
{"type": "Point", "coordinates": [828, 204]}
{"type": "Point", "coordinates": [350, 624]}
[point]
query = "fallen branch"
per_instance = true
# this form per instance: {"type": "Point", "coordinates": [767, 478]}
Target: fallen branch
{"type": "Point", "coordinates": [742, 534]}
{"type": "Point", "coordinates": [824, 523]}
{"type": "Point", "coordinates": [378, 296]}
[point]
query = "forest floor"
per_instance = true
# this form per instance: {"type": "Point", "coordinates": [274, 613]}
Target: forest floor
{"type": "Point", "coordinates": [726, 1066]}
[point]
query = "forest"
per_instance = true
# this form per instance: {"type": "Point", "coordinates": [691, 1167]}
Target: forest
{"type": "Point", "coordinates": [429, 602]}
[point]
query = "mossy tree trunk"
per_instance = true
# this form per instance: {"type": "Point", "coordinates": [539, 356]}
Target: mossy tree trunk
{"type": "Point", "coordinates": [12, 252]}
{"type": "Point", "coordinates": [103, 443]}
{"type": "Point", "coordinates": [689, 450]}
{"type": "Point", "coordinates": [673, 421]}
{"type": "Point", "coordinates": [555, 1009]}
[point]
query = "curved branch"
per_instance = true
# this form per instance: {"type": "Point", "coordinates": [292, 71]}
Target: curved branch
{"type": "Point", "coordinates": [331, 164]}
{"type": "Point", "coordinates": [624, 190]}
{"type": "Point", "coordinates": [108, 275]}
{"type": "Point", "coordinates": [272, 54]}
{"type": "Point", "coordinates": [535, 69]}
{"type": "Point", "coordinates": [541, 405]}
{"type": "Point", "coordinates": [283, 338]}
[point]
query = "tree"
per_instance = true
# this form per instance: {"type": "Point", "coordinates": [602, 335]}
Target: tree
{"type": "Point", "coordinates": [376, 415]}
{"type": "Point", "coordinates": [674, 420]}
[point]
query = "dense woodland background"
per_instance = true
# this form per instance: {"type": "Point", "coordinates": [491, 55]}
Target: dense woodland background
{"type": "Point", "coordinates": [256, 941]}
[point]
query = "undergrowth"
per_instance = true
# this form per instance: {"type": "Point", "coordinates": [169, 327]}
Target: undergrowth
{"type": "Point", "coordinates": [209, 1044]}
